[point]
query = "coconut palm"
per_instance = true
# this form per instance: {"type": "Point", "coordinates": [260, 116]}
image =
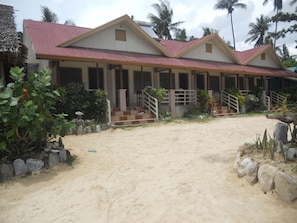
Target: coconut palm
{"type": "Point", "coordinates": [278, 5]}
{"type": "Point", "coordinates": [48, 15]}
{"type": "Point", "coordinates": [258, 31]}
{"type": "Point", "coordinates": [162, 22]}
{"type": "Point", "coordinates": [230, 5]}
{"type": "Point", "coordinates": [208, 31]}
{"type": "Point", "coordinates": [181, 35]}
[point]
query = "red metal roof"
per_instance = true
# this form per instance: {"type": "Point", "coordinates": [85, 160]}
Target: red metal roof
{"type": "Point", "coordinates": [46, 37]}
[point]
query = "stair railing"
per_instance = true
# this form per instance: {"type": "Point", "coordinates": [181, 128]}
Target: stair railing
{"type": "Point", "coordinates": [149, 102]}
{"type": "Point", "coordinates": [266, 101]}
{"type": "Point", "coordinates": [230, 100]}
{"type": "Point", "coordinates": [277, 98]}
{"type": "Point", "coordinates": [108, 111]}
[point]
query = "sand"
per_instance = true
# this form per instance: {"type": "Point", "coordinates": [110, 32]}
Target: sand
{"type": "Point", "coordinates": [174, 172]}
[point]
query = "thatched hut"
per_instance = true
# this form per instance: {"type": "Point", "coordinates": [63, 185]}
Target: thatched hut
{"type": "Point", "coordinates": [12, 51]}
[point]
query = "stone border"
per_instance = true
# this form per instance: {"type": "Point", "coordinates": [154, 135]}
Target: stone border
{"type": "Point", "coordinates": [269, 177]}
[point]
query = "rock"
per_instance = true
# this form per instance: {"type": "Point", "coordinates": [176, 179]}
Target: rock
{"type": "Point", "coordinates": [34, 165]}
{"type": "Point", "coordinates": [19, 167]}
{"type": "Point", "coordinates": [98, 128]}
{"type": "Point", "coordinates": [248, 168]}
{"type": "Point", "coordinates": [286, 186]}
{"type": "Point", "coordinates": [41, 155]}
{"type": "Point", "coordinates": [281, 133]}
{"type": "Point", "coordinates": [53, 159]}
{"type": "Point", "coordinates": [80, 130]}
{"type": "Point", "coordinates": [291, 154]}
{"type": "Point", "coordinates": [62, 155]}
{"type": "Point", "coordinates": [88, 129]}
{"type": "Point", "coordinates": [237, 160]}
{"type": "Point", "coordinates": [6, 172]}
{"type": "Point", "coordinates": [266, 176]}
{"type": "Point", "coordinates": [55, 145]}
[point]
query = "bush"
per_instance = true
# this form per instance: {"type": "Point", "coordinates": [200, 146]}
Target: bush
{"type": "Point", "coordinates": [27, 113]}
{"type": "Point", "coordinates": [74, 97]}
{"type": "Point", "coordinates": [203, 99]}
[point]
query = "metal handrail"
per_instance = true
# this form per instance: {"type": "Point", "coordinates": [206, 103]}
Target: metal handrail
{"type": "Point", "coordinates": [230, 100]}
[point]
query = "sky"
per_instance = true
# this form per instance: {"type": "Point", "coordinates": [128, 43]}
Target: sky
{"type": "Point", "coordinates": [195, 14]}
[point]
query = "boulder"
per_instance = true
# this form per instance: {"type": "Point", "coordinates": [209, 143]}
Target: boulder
{"type": "Point", "coordinates": [20, 167]}
{"type": "Point", "coordinates": [88, 129]}
{"type": "Point", "coordinates": [291, 154]}
{"type": "Point", "coordinates": [266, 174]}
{"type": "Point", "coordinates": [80, 130]}
{"type": "Point", "coordinates": [248, 168]}
{"type": "Point", "coordinates": [286, 186]}
{"type": "Point", "coordinates": [34, 165]}
{"type": "Point", "coordinates": [6, 172]}
{"type": "Point", "coordinates": [281, 133]}
{"type": "Point", "coordinates": [62, 155]}
{"type": "Point", "coordinates": [53, 159]}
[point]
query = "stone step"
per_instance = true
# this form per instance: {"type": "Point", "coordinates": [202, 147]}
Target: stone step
{"type": "Point", "coordinates": [137, 116]}
{"type": "Point", "coordinates": [132, 122]}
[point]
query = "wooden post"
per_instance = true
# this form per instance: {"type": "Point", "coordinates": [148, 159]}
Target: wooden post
{"type": "Point", "coordinates": [172, 102]}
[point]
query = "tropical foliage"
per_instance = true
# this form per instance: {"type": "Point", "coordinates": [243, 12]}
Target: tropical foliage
{"type": "Point", "coordinates": [27, 113]}
{"type": "Point", "coordinates": [230, 6]}
{"type": "Point", "coordinates": [162, 22]}
{"type": "Point", "coordinates": [258, 31]}
{"type": "Point", "coordinates": [74, 97]}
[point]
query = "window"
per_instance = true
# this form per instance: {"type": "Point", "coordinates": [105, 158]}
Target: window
{"type": "Point", "coordinates": [200, 81]}
{"type": "Point", "coordinates": [183, 81]}
{"type": "Point", "coordinates": [208, 48]}
{"type": "Point", "coordinates": [229, 82]}
{"type": "Point", "coordinates": [120, 35]}
{"type": "Point", "coordinates": [263, 56]}
{"type": "Point", "coordinates": [96, 79]}
{"type": "Point", "coordinates": [141, 80]}
{"type": "Point", "coordinates": [69, 74]}
{"type": "Point", "coordinates": [214, 83]}
{"type": "Point", "coordinates": [167, 81]}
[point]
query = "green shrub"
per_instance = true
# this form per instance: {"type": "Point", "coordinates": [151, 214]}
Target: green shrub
{"type": "Point", "coordinates": [27, 113]}
{"type": "Point", "coordinates": [203, 100]}
{"type": "Point", "coordinates": [74, 97]}
{"type": "Point", "coordinates": [159, 93]}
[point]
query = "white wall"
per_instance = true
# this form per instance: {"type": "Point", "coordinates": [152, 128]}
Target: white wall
{"type": "Point", "coordinates": [106, 40]}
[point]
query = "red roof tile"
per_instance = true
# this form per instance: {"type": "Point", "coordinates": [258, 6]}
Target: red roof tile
{"type": "Point", "coordinates": [47, 36]}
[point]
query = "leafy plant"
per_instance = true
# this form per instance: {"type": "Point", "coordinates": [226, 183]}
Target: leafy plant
{"type": "Point", "coordinates": [158, 93]}
{"type": "Point", "coordinates": [74, 97]}
{"type": "Point", "coordinates": [27, 113]}
{"type": "Point", "coordinates": [203, 100]}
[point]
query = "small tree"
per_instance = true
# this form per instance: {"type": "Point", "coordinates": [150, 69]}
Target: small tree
{"type": "Point", "coordinates": [27, 113]}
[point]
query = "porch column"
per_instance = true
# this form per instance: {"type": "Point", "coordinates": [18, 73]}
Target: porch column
{"type": "Point", "coordinates": [172, 102]}
{"type": "Point", "coordinates": [122, 99]}
{"type": "Point", "coordinates": [237, 81]}
{"type": "Point", "coordinates": [170, 79]}
{"type": "Point", "coordinates": [207, 81]}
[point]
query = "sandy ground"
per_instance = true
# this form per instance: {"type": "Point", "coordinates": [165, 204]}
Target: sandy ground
{"type": "Point", "coordinates": [176, 172]}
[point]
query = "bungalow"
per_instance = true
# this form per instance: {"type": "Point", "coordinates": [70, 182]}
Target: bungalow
{"type": "Point", "coordinates": [124, 56]}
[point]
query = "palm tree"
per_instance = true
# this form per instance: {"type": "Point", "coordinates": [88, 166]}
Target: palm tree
{"type": "Point", "coordinates": [230, 5]}
{"type": "Point", "coordinates": [258, 31]}
{"type": "Point", "coordinates": [181, 35]}
{"type": "Point", "coordinates": [48, 15]}
{"type": "Point", "coordinates": [278, 5]}
{"type": "Point", "coordinates": [208, 31]}
{"type": "Point", "coordinates": [162, 23]}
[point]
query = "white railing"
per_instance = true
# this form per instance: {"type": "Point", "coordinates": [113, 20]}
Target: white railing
{"type": "Point", "coordinates": [277, 98]}
{"type": "Point", "coordinates": [150, 102]}
{"type": "Point", "coordinates": [108, 111]}
{"type": "Point", "coordinates": [230, 100]}
{"type": "Point", "coordinates": [185, 97]}
{"type": "Point", "coordinates": [266, 101]}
